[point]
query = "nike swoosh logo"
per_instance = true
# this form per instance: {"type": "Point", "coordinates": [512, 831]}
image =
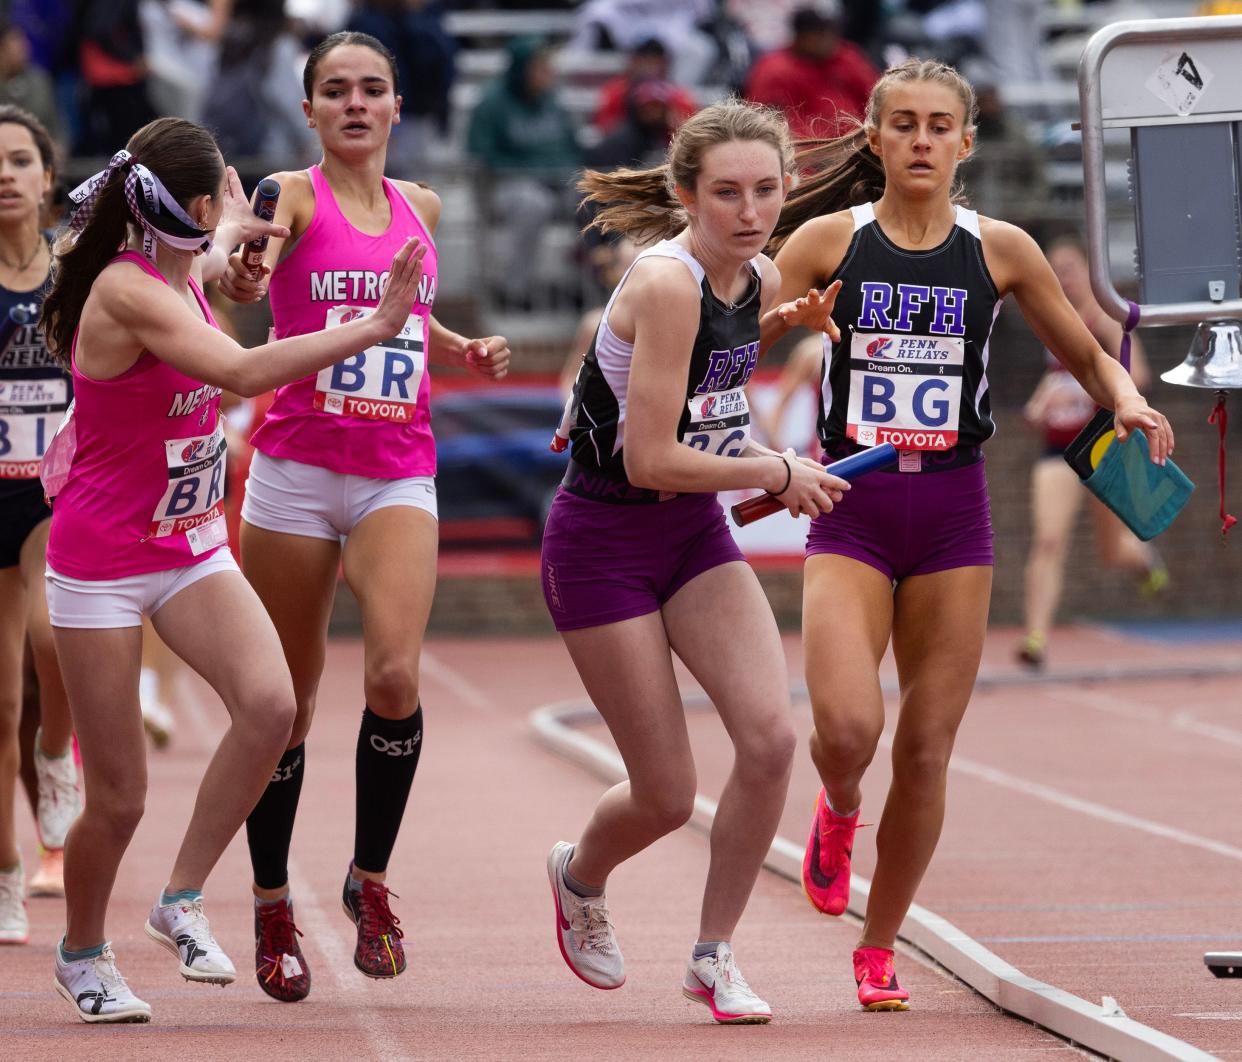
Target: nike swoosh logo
{"type": "Point", "coordinates": [709, 989]}
{"type": "Point", "coordinates": [562, 921]}
{"type": "Point", "coordinates": [821, 880]}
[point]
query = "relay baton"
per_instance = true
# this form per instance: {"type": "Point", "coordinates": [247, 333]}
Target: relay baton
{"type": "Point", "coordinates": [871, 460]}
{"type": "Point", "coordinates": [264, 207]}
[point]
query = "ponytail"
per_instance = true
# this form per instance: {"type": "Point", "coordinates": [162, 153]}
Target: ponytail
{"type": "Point", "coordinates": [177, 162]}
{"type": "Point", "coordinates": [845, 172]}
{"type": "Point", "coordinates": [634, 203]}
{"type": "Point", "coordinates": [78, 259]}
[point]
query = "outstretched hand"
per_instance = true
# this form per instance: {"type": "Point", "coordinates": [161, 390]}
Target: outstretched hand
{"type": "Point", "coordinates": [813, 310]}
{"type": "Point", "coordinates": [239, 217]}
{"type": "Point", "coordinates": [402, 288]}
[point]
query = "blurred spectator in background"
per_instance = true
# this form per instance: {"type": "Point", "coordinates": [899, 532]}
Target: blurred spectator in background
{"type": "Point", "coordinates": [258, 110]}
{"type": "Point", "coordinates": [641, 139]}
{"type": "Point", "coordinates": [680, 25]}
{"type": "Point", "coordinates": [524, 139]}
{"type": "Point", "coordinates": [819, 80]}
{"type": "Point", "coordinates": [1013, 40]}
{"type": "Point", "coordinates": [114, 75]}
{"type": "Point", "coordinates": [182, 46]}
{"type": "Point", "coordinates": [414, 32]}
{"type": "Point", "coordinates": [1006, 175]}
{"type": "Point", "coordinates": [648, 61]}
{"type": "Point", "coordinates": [24, 84]}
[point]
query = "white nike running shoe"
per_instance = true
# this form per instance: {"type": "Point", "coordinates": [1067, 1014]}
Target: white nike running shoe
{"type": "Point", "coordinates": [60, 799]}
{"type": "Point", "coordinates": [14, 927]}
{"type": "Point", "coordinates": [583, 930]}
{"type": "Point", "coordinates": [182, 928]}
{"type": "Point", "coordinates": [97, 990]}
{"type": "Point", "coordinates": [717, 983]}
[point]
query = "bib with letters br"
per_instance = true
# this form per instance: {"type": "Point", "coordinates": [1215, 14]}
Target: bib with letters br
{"type": "Point", "coordinates": [905, 390]}
{"type": "Point", "coordinates": [381, 383]}
{"type": "Point", "coordinates": [193, 501]}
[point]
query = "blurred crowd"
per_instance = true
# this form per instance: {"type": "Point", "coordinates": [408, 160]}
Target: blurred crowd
{"type": "Point", "coordinates": [525, 94]}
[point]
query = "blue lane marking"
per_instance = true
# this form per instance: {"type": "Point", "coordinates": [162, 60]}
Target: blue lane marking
{"type": "Point", "coordinates": [1159, 938]}
{"type": "Point", "coordinates": [1179, 632]}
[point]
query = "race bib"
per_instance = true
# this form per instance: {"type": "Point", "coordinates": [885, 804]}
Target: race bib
{"type": "Point", "coordinates": [30, 412]}
{"type": "Point", "coordinates": [382, 382]}
{"type": "Point", "coordinates": [193, 501]}
{"type": "Point", "coordinates": [905, 389]}
{"type": "Point", "coordinates": [719, 422]}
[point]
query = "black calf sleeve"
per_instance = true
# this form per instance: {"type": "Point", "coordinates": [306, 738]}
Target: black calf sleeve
{"type": "Point", "coordinates": [269, 827]}
{"type": "Point", "coordinates": [384, 767]}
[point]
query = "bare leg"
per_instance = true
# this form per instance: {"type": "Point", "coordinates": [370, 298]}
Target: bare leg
{"type": "Point", "coordinates": [939, 625]}
{"type": "Point", "coordinates": [236, 650]}
{"type": "Point", "coordinates": [627, 669]}
{"type": "Point", "coordinates": [1055, 500]}
{"type": "Point", "coordinates": [847, 614]}
{"type": "Point", "coordinates": [749, 685]}
{"type": "Point", "coordinates": [55, 725]}
{"type": "Point", "coordinates": [100, 669]}
{"type": "Point", "coordinates": [12, 645]}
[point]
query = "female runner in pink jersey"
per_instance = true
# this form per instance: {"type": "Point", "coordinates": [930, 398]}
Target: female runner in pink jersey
{"type": "Point", "coordinates": [138, 528]}
{"type": "Point", "coordinates": [346, 456]}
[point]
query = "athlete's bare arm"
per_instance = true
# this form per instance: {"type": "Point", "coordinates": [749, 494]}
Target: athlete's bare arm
{"type": "Point", "coordinates": [806, 262]}
{"type": "Point", "coordinates": [1018, 267]}
{"type": "Point", "coordinates": [129, 311]}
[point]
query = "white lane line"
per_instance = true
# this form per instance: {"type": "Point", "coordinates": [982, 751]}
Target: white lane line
{"type": "Point", "coordinates": [1126, 708]}
{"type": "Point", "coordinates": [1050, 795]}
{"type": "Point", "coordinates": [329, 934]}
{"type": "Point", "coordinates": [457, 684]}
{"type": "Point", "coordinates": [1102, 1029]}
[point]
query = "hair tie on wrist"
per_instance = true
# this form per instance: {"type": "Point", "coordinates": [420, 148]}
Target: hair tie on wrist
{"type": "Point", "coordinates": [788, 476]}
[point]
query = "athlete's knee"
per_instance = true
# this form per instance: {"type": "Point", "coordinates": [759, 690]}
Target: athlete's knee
{"type": "Point", "coordinates": [922, 763]}
{"type": "Point", "coordinates": [846, 744]}
{"type": "Point", "coordinates": [116, 806]}
{"type": "Point", "coordinates": [1049, 545]}
{"type": "Point", "coordinates": [767, 751]}
{"type": "Point", "coordinates": [268, 713]}
{"type": "Point", "coordinates": [391, 687]}
{"type": "Point", "coordinates": [669, 805]}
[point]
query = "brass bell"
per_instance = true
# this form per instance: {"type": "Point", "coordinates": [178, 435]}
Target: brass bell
{"type": "Point", "coordinates": [1215, 358]}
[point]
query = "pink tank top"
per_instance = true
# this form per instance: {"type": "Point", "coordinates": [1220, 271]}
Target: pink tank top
{"type": "Point", "coordinates": [145, 490]}
{"type": "Point", "coordinates": [369, 415]}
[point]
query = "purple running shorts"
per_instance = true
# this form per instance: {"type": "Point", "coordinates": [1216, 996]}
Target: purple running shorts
{"type": "Point", "coordinates": [910, 523]}
{"type": "Point", "coordinates": [603, 563]}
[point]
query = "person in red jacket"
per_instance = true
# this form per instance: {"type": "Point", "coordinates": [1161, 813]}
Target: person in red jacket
{"type": "Point", "coordinates": [818, 79]}
{"type": "Point", "coordinates": [647, 62]}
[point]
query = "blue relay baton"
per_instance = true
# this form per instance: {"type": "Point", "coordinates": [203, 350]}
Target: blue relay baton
{"type": "Point", "coordinates": [848, 468]}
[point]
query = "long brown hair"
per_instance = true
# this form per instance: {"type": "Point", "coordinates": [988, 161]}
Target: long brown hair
{"type": "Point", "coordinates": [845, 170]}
{"type": "Point", "coordinates": [185, 158]}
{"type": "Point", "coordinates": [643, 205]}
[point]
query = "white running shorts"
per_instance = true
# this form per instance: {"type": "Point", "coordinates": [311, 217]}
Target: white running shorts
{"type": "Point", "coordinates": [122, 602]}
{"type": "Point", "coordinates": [300, 499]}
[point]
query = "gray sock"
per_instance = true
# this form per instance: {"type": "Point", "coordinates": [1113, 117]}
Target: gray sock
{"type": "Point", "coordinates": [575, 886]}
{"type": "Point", "coordinates": [704, 948]}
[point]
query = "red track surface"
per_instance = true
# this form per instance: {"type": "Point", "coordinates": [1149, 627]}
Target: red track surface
{"type": "Point", "coordinates": [1096, 905]}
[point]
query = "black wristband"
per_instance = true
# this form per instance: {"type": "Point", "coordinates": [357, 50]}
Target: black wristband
{"type": "Point", "coordinates": [788, 476]}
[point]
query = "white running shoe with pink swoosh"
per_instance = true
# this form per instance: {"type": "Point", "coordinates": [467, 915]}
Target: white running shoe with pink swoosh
{"type": "Point", "coordinates": [717, 983]}
{"type": "Point", "coordinates": [583, 929]}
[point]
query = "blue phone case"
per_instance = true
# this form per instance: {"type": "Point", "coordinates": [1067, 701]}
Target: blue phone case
{"type": "Point", "coordinates": [1146, 496]}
